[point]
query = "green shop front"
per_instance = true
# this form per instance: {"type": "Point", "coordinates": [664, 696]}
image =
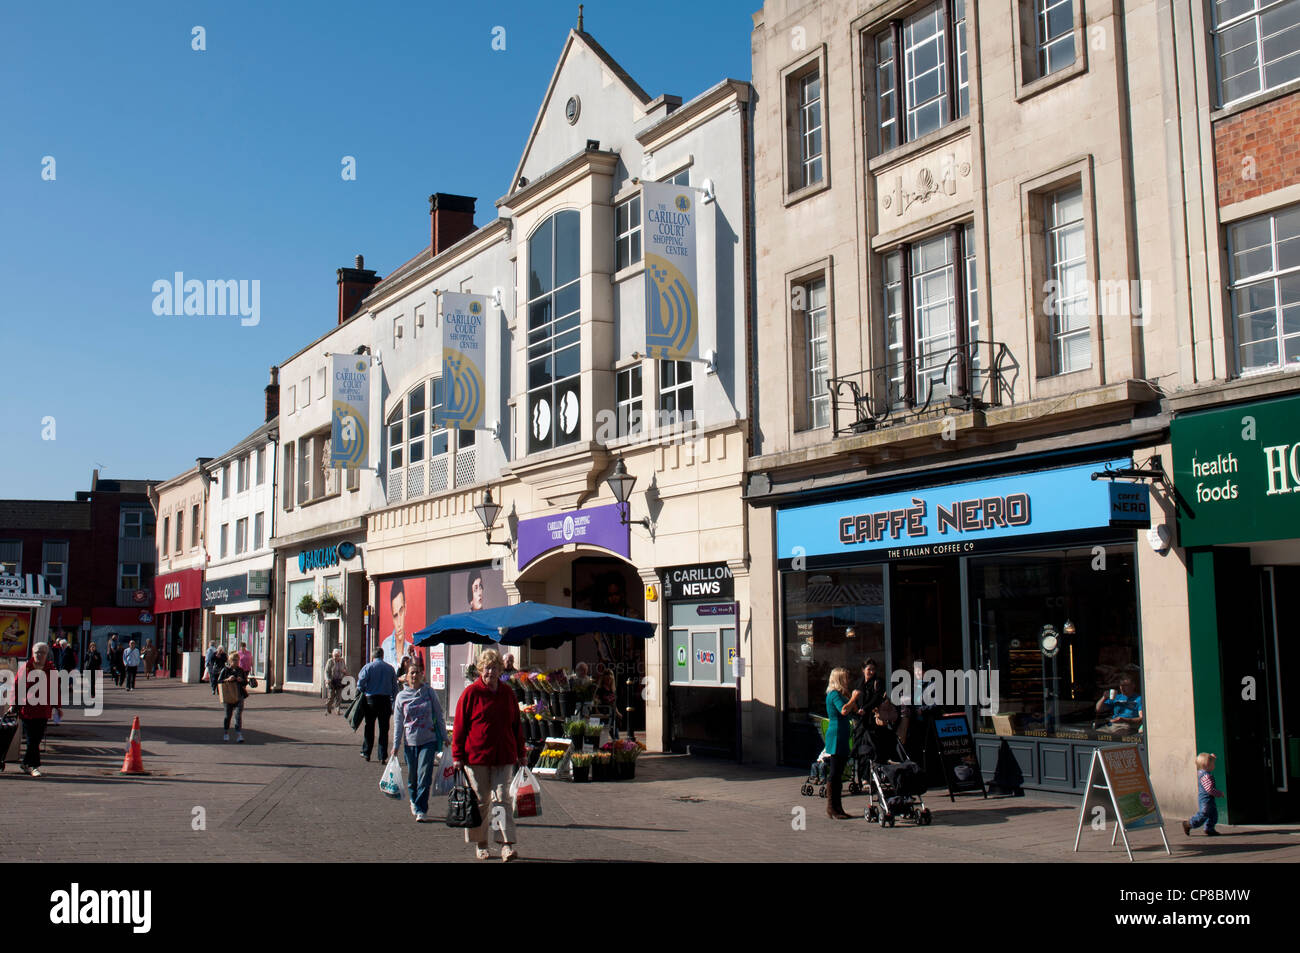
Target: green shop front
{"type": "Point", "coordinates": [1237, 473]}
{"type": "Point", "coordinates": [1013, 598]}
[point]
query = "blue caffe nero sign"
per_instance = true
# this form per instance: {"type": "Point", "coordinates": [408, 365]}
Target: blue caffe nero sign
{"type": "Point", "coordinates": [326, 556]}
{"type": "Point", "coordinates": [952, 519]}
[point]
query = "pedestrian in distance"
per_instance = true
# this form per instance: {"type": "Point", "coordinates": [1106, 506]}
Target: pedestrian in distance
{"type": "Point", "coordinates": [1207, 813]}
{"type": "Point", "coordinates": [131, 663]}
{"type": "Point", "coordinates": [838, 706]}
{"type": "Point", "coordinates": [423, 733]}
{"type": "Point", "coordinates": [114, 652]}
{"type": "Point", "coordinates": [67, 656]}
{"type": "Point", "coordinates": [207, 665]}
{"type": "Point", "coordinates": [93, 663]}
{"type": "Point", "coordinates": [378, 683]}
{"type": "Point", "coordinates": [216, 665]}
{"type": "Point", "coordinates": [336, 670]}
{"type": "Point", "coordinates": [150, 657]}
{"type": "Point", "coordinates": [234, 689]}
{"type": "Point", "coordinates": [38, 689]}
{"type": "Point", "coordinates": [488, 740]}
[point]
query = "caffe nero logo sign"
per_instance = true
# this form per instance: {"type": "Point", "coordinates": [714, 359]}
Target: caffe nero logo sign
{"type": "Point", "coordinates": [326, 556]}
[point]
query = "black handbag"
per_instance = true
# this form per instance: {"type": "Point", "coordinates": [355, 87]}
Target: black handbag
{"type": "Point", "coordinates": [462, 805]}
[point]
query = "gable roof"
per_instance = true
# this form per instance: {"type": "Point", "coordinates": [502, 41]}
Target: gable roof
{"type": "Point", "coordinates": [587, 40]}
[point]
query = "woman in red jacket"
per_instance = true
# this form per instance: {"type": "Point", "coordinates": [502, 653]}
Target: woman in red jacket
{"type": "Point", "coordinates": [38, 695]}
{"type": "Point", "coordinates": [488, 741]}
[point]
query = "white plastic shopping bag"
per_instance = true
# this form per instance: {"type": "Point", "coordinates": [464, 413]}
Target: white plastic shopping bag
{"type": "Point", "coordinates": [392, 783]}
{"type": "Point", "coordinates": [444, 775]}
{"type": "Point", "coordinates": [526, 794]}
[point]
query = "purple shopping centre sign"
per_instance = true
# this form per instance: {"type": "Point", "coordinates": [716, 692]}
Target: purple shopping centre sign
{"type": "Point", "coordinates": [595, 526]}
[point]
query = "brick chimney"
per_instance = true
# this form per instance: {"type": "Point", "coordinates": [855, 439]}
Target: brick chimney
{"type": "Point", "coordinates": [354, 285]}
{"type": "Point", "coordinates": [273, 394]}
{"type": "Point", "coordinates": [451, 218]}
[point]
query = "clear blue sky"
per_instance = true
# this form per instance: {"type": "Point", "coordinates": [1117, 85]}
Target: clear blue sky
{"type": "Point", "coordinates": [226, 164]}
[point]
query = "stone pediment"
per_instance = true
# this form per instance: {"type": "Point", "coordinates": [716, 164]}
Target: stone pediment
{"type": "Point", "coordinates": [566, 477]}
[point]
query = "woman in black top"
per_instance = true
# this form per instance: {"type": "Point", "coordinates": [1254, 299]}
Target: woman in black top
{"type": "Point", "coordinates": [93, 663]}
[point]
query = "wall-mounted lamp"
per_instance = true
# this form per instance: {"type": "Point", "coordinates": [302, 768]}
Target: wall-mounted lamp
{"type": "Point", "coordinates": [487, 512]}
{"type": "Point", "coordinates": [621, 483]}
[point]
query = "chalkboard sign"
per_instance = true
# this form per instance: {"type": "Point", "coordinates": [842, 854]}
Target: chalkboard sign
{"type": "Point", "coordinates": [961, 767]}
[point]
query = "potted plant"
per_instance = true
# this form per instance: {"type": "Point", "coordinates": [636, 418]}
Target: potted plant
{"type": "Point", "coordinates": [581, 768]}
{"type": "Point", "coordinates": [329, 603]}
{"type": "Point", "coordinates": [592, 733]}
{"type": "Point", "coordinates": [600, 766]}
{"type": "Point", "coordinates": [308, 605]}
{"type": "Point", "coordinates": [575, 731]}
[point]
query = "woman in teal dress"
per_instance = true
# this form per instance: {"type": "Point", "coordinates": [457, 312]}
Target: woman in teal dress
{"type": "Point", "coordinates": [838, 706]}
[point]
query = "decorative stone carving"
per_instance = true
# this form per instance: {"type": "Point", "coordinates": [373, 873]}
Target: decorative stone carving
{"type": "Point", "coordinates": [924, 181]}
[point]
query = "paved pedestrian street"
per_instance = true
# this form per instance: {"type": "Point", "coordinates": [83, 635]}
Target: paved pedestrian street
{"type": "Point", "coordinates": [297, 790]}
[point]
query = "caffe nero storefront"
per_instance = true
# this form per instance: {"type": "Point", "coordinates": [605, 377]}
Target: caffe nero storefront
{"type": "Point", "coordinates": [1014, 596]}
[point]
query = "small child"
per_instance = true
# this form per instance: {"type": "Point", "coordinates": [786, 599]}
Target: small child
{"type": "Point", "coordinates": [820, 770]}
{"type": "Point", "coordinates": [1206, 792]}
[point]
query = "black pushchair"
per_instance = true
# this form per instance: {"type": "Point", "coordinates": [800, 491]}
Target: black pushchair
{"type": "Point", "coordinates": [895, 786]}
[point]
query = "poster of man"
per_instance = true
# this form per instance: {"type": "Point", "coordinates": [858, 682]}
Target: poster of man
{"type": "Point", "coordinates": [402, 612]}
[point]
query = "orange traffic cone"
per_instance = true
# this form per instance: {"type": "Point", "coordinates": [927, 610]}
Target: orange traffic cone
{"type": "Point", "coordinates": [133, 763]}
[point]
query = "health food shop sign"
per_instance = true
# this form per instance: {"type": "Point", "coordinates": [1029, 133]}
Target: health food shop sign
{"type": "Point", "coordinates": [1237, 471]}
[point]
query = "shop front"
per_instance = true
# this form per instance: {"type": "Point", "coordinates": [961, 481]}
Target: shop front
{"type": "Point", "coordinates": [324, 609]}
{"type": "Point", "coordinates": [582, 558]}
{"type": "Point", "coordinates": [701, 615]}
{"type": "Point", "coordinates": [238, 610]}
{"type": "Point", "coordinates": [178, 601]}
{"type": "Point", "coordinates": [1012, 599]}
{"type": "Point", "coordinates": [1237, 471]}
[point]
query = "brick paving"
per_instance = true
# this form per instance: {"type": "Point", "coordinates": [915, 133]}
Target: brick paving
{"type": "Point", "coordinates": [298, 791]}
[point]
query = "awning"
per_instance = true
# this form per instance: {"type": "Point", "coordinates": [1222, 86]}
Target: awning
{"type": "Point", "coordinates": [29, 586]}
{"type": "Point", "coordinates": [240, 608]}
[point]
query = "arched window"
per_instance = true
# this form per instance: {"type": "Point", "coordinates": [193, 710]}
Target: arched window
{"type": "Point", "coordinates": [554, 333]}
{"type": "Point", "coordinates": [419, 462]}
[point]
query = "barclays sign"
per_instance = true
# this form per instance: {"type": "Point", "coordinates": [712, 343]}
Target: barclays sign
{"type": "Point", "coordinates": [325, 557]}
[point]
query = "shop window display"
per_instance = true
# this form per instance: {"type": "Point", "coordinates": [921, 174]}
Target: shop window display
{"type": "Point", "coordinates": [833, 618]}
{"type": "Point", "coordinates": [1060, 629]}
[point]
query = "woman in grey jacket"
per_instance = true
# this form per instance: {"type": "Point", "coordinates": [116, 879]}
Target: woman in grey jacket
{"type": "Point", "coordinates": [424, 732]}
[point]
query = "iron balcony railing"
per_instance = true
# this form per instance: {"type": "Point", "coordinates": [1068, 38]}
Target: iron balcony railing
{"type": "Point", "coordinates": [936, 382]}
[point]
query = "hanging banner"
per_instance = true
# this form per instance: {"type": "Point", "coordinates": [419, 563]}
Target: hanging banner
{"type": "Point", "coordinates": [350, 433]}
{"type": "Point", "coordinates": [464, 353]}
{"type": "Point", "coordinates": [671, 301]}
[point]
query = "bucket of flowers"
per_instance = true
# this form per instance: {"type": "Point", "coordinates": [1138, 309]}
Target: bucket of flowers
{"type": "Point", "coordinates": [623, 755]}
{"type": "Point", "coordinates": [582, 768]}
{"type": "Point", "coordinates": [575, 730]}
{"type": "Point", "coordinates": [601, 766]}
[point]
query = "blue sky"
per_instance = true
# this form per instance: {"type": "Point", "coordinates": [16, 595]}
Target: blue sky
{"type": "Point", "coordinates": [226, 163]}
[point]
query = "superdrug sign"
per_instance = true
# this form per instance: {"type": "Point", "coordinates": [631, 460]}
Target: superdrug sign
{"type": "Point", "coordinates": [707, 581]}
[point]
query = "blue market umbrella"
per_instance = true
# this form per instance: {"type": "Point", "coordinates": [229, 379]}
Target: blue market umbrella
{"type": "Point", "coordinates": [541, 626]}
